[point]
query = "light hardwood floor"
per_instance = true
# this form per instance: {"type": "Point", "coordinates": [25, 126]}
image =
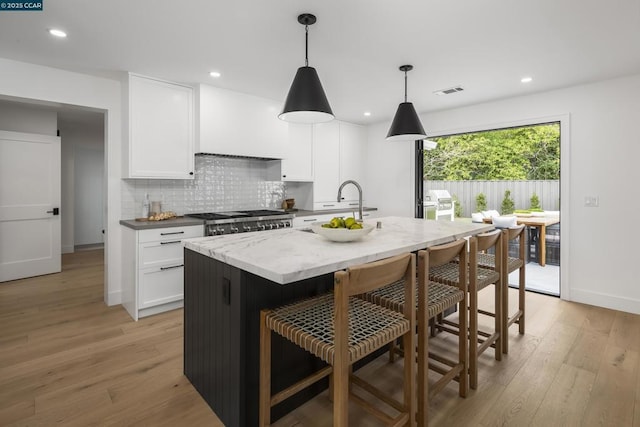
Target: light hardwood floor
{"type": "Point", "coordinates": [66, 358]}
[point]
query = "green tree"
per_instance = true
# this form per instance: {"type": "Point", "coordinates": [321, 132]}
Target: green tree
{"type": "Point", "coordinates": [531, 152]}
{"type": "Point", "coordinates": [481, 202]}
{"type": "Point", "coordinates": [508, 205]}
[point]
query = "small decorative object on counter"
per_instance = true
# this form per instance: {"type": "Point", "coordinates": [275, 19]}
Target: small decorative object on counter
{"type": "Point", "coordinates": [161, 216]}
{"type": "Point", "coordinates": [145, 206]}
{"type": "Point", "coordinates": [155, 209]}
{"type": "Point", "coordinates": [379, 224]}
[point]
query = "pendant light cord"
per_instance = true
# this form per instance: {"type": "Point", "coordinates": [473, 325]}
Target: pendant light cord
{"type": "Point", "coordinates": [306, 45]}
{"type": "Point", "coordinates": [405, 86]}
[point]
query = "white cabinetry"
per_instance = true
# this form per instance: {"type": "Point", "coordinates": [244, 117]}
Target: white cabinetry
{"type": "Point", "coordinates": [238, 124]}
{"type": "Point", "coordinates": [326, 165]}
{"type": "Point", "coordinates": [153, 268]}
{"type": "Point", "coordinates": [297, 164]}
{"type": "Point", "coordinates": [338, 155]}
{"type": "Point", "coordinates": [306, 221]}
{"type": "Point", "coordinates": [353, 142]}
{"type": "Point", "coordinates": [160, 120]}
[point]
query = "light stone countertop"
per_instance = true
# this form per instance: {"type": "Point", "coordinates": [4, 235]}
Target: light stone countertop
{"type": "Point", "coordinates": [288, 255]}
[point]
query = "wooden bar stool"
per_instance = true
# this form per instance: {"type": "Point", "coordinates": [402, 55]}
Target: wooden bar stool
{"type": "Point", "coordinates": [433, 299]}
{"type": "Point", "coordinates": [361, 328]}
{"type": "Point", "coordinates": [512, 264]}
{"type": "Point", "coordinates": [478, 279]}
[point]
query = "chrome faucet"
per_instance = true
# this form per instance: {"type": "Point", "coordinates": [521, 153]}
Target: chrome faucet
{"type": "Point", "coordinates": [350, 181]}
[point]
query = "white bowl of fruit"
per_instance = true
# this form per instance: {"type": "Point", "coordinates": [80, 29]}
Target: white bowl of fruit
{"type": "Point", "coordinates": [342, 229]}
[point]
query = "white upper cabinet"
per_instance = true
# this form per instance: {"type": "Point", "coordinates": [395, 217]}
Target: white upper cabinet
{"type": "Point", "coordinates": [234, 123]}
{"type": "Point", "coordinates": [326, 164]}
{"type": "Point", "coordinates": [338, 155]}
{"type": "Point", "coordinates": [353, 142]}
{"type": "Point", "coordinates": [160, 118]}
{"type": "Point", "coordinates": [297, 164]}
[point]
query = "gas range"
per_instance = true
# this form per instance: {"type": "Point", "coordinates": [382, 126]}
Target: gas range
{"type": "Point", "coordinates": [218, 223]}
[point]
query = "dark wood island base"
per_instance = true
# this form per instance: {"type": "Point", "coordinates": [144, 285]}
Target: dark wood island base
{"type": "Point", "coordinates": [222, 307]}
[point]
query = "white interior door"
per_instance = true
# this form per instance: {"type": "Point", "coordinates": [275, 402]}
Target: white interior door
{"type": "Point", "coordinates": [29, 205]}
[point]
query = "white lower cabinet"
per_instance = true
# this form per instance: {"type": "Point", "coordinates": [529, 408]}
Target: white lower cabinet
{"type": "Point", "coordinates": [153, 269]}
{"type": "Point", "coordinates": [306, 221]}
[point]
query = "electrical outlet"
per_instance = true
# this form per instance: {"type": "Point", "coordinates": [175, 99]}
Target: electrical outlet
{"type": "Point", "coordinates": [591, 201]}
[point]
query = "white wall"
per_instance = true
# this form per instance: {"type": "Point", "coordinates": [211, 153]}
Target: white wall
{"type": "Point", "coordinates": [84, 216]}
{"type": "Point", "coordinates": [600, 122]}
{"type": "Point", "coordinates": [88, 195]}
{"type": "Point", "coordinates": [16, 117]}
{"type": "Point", "coordinates": [34, 82]}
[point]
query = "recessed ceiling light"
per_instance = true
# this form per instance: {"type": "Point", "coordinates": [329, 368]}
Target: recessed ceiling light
{"type": "Point", "coordinates": [526, 79]}
{"type": "Point", "coordinates": [367, 113]}
{"type": "Point", "coordinates": [57, 33]}
{"type": "Point", "coordinates": [215, 74]}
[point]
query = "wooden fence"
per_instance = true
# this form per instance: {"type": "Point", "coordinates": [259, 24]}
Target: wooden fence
{"type": "Point", "coordinates": [548, 192]}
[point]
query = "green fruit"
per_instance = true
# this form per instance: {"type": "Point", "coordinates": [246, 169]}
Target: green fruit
{"type": "Point", "coordinates": [349, 222]}
{"type": "Point", "coordinates": [326, 225]}
{"type": "Point", "coordinates": [355, 226]}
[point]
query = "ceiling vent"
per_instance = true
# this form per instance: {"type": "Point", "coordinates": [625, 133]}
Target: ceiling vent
{"type": "Point", "coordinates": [449, 91]}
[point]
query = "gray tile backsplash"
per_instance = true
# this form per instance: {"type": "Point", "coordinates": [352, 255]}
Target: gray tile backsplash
{"type": "Point", "coordinates": [220, 184]}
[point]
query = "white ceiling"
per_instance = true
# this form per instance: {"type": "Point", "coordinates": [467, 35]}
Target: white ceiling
{"type": "Point", "coordinates": [357, 45]}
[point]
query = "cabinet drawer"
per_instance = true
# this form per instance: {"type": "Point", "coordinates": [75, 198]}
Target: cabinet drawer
{"type": "Point", "coordinates": [154, 253]}
{"type": "Point", "coordinates": [160, 285]}
{"type": "Point", "coordinates": [170, 233]}
{"type": "Point", "coordinates": [347, 205]}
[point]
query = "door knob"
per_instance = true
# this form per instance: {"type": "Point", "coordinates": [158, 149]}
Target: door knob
{"type": "Point", "coordinates": [55, 211]}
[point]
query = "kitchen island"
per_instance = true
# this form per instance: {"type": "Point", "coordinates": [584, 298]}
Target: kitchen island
{"type": "Point", "coordinates": [229, 279]}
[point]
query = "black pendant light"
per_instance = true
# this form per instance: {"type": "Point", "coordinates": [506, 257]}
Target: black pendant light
{"type": "Point", "coordinates": [306, 101]}
{"type": "Point", "coordinates": [406, 125]}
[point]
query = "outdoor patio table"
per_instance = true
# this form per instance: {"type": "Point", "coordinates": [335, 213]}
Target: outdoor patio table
{"type": "Point", "coordinates": [541, 223]}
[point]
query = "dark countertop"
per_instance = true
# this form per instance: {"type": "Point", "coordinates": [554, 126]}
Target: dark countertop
{"type": "Point", "coordinates": [175, 222]}
{"type": "Point", "coordinates": [302, 212]}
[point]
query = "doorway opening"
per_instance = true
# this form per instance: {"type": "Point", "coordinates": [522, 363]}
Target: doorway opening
{"type": "Point", "coordinates": [512, 170]}
{"type": "Point", "coordinates": [79, 199]}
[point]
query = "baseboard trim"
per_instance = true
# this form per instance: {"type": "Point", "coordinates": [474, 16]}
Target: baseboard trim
{"type": "Point", "coordinates": [114, 298]}
{"type": "Point", "coordinates": [599, 299]}
{"type": "Point", "coordinates": [68, 249]}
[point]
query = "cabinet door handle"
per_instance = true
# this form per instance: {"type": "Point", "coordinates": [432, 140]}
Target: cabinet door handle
{"type": "Point", "coordinates": [353, 204]}
{"type": "Point", "coordinates": [173, 242]}
{"type": "Point", "coordinates": [175, 232]}
{"type": "Point", "coordinates": [191, 173]}
{"type": "Point", "coordinates": [172, 267]}
{"type": "Point", "coordinates": [309, 220]}
{"type": "Point", "coordinates": [327, 206]}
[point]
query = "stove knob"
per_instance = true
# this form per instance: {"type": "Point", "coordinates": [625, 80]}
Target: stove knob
{"type": "Point", "coordinates": [271, 226]}
{"type": "Point", "coordinates": [263, 227]}
{"type": "Point", "coordinates": [246, 228]}
{"type": "Point", "coordinates": [234, 229]}
{"type": "Point", "coordinates": [219, 231]}
{"type": "Point", "coordinates": [283, 225]}
{"type": "Point", "coordinates": [287, 224]}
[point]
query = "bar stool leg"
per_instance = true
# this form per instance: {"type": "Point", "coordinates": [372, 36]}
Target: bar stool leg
{"type": "Point", "coordinates": [499, 318]}
{"type": "Point", "coordinates": [521, 295]}
{"type": "Point", "coordinates": [265, 372]}
{"type": "Point", "coordinates": [473, 334]}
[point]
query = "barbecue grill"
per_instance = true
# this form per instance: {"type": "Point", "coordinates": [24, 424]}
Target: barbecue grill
{"type": "Point", "coordinates": [441, 201]}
